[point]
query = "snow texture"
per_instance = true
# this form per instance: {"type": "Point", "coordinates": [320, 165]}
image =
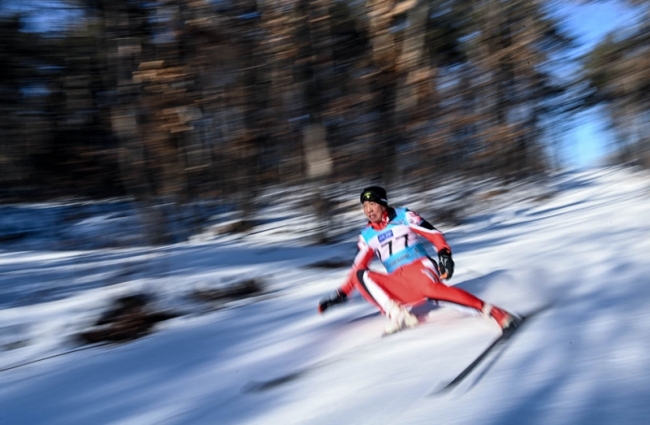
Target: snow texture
{"type": "Point", "coordinates": [581, 241]}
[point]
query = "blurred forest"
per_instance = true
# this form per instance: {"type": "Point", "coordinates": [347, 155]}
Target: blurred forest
{"type": "Point", "coordinates": [180, 100]}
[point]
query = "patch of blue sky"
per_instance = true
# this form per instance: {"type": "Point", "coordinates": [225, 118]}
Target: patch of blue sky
{"type": "Point", "coordinates": [588, 140]}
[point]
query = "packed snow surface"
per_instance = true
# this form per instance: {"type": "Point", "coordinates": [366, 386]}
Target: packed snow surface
{"type": "Point", "coordinates": [583, 248]}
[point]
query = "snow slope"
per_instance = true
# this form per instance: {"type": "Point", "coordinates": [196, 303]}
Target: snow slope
{"type": "Point", "coordinates": [582, 362]}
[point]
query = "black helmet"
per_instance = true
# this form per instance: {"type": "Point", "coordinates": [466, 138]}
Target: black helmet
{"type": "Point", "coordinates": [374, 194]}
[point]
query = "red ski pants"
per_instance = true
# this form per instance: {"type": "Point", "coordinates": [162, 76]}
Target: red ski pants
{"type": "Point", "coordinates": [413, 284]}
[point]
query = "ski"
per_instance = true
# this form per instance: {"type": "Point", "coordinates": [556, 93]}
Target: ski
{"type": "Point", "coordinates": [261, 385]}
{"type": "Point", "coordinates": [264, 385]}
{"type": "Point", "coordinates": [498, 342]}
{"type": "Point", "coordinates": [256, 386]}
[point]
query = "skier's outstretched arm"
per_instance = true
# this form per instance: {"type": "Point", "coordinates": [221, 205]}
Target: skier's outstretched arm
{"type": "Point", "coordinates": [361, 261]}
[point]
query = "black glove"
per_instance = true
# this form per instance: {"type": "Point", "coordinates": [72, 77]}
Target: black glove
{"type": "Point", "coordinates": [326, 303]}
{"type": "Point", "coordinates": [445, 264]}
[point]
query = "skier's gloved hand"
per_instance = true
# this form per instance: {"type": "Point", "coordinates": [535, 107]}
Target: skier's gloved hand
{"type": "Point", "coordinates": [445, 264]}
{"type": "Point", "coordinates": [337, 298]}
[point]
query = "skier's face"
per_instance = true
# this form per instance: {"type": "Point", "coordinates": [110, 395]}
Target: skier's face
{"type": "Point", "coordinates": [373, 211]}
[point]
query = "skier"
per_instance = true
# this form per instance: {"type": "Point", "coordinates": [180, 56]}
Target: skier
{"type": "Point", "coordinates": [393, 234]}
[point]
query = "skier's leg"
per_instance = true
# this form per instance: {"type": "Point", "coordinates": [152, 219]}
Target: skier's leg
{"type": "Point", "coordinates": [373, 287]}
{"type": "Point", "coordinates": [372, 290]}
{"type": "Point", "coordinates": [432, 287]}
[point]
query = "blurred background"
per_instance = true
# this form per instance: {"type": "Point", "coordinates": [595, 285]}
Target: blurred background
{"type": "Point", "coordinates": [174, 101]}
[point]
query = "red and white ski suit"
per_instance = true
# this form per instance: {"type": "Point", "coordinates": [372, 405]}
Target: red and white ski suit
{"type": "Point", "coordinates": [413, 277]}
